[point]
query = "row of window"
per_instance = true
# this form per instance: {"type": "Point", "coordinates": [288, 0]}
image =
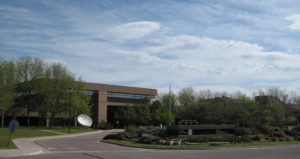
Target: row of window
{"type": "Point", "coordinates": [119, 95]}
{"type": "Point", "coordinates": [126, 95]}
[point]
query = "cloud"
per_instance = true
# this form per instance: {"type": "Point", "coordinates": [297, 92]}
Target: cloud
{"type": "Point", "coordinates": [130, 31]}
{"type": "Point", "coordinates": [295, 22]}
{"type": "Point", "coordinates": [52, 61]}
{"type": "Point", "coordinates": [221, 46]}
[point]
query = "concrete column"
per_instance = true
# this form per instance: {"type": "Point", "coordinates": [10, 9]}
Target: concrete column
{"type": "Point", "coordinates": [102, 106]}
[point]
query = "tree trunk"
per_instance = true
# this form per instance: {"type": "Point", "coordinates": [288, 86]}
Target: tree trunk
{"type": "Point", "coordinates": [64, 124]}
{"type": "Point", "coordinates": [28, 118]}
{"type": "Point", "coordinates": [2, 121]}
{"type": "Point", "coordinates": [75, 122]}
{"type": "Point", "coordinates": [52, 119]}
{"type": "Point", "coordinates": [47, 121]}
{"type": "Point", "coordinates": [47, 118]}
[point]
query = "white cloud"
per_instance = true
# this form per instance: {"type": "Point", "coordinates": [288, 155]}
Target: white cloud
{"type": "Point", "coordinates": [130, 31]}
{"type": "Point", "coordinates": [52, 61]}
{"type": "Point", "coordinates": [295, 21]}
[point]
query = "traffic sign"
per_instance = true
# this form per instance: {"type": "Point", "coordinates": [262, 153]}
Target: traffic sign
{"type": "Point", "coordinates": [13, 125]}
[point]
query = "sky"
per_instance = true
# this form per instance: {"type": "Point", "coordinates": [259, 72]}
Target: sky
{"type": "Point", "coordinates": [221, 45]}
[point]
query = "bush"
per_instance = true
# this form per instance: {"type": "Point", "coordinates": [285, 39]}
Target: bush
{"type": "Point", "coordinates": [216, 138]}
{"type": "Point", "coordinates": [131, 129]}
{"type": "Point", "coordinates": [172, 130]}
{"type": "Point", "coordinates": [103, 126]}
{"type": "Point", "coordinates": [243, 132]}
{"type": "Point", "coordinates": [257, 138]}
{"type": "Point", "coordinates": [296, 129]}
{"type": "Point", "coordinates": [148, 139]}
{"type": "Point", "coordinates": [206, 138]}
{"type": "Point", "coordinates": [161, 132]}
{"type": "Point", "coordinates": [112, 136]}
{"type": "Point", "coordinates": [133, 132]}
{"type": "Point", "coordinates": [269, 129]}
{"type": "Point", "coordinates": [279, 134]}
{"type": "Point", "coordinates": [238, 139]}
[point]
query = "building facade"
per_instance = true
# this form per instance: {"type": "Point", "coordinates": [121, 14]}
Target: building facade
{"type": "Point", "coordinates": [105, 100]}
{"type": "Point", "coordinates": [108, 98]}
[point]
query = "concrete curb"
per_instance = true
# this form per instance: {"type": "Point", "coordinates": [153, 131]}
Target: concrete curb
{"type": "Point", "coordinates": [28, 146]}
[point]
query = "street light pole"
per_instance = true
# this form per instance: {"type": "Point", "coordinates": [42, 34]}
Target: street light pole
{"type": "Point", "coordinates": [69, 124]}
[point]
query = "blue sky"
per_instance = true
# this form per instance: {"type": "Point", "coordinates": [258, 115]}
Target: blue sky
{"type": "Point", "coordinates": [226, 45]}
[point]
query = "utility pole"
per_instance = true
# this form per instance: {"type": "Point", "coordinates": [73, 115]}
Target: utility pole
{"type": "Point", "coordinates": [170, 107]}
{"type": "Point", "coordinates": [69, 124]}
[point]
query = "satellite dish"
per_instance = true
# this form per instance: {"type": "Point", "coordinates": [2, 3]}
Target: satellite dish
{"type": "Point", "coordinates": [85, 120]}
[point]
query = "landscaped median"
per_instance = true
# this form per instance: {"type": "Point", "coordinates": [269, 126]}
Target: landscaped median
{"type": "Point", "coordinates": [158, 138]}
{"type": "Point", "coordinates": [197, 146]}
{"type": "Point", "coordinates": [28, 132]}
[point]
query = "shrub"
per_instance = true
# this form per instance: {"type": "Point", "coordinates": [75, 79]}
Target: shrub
{"type": "Point", "coordinates": [238, 139]}
{"type": "Point", "coordinates": [131, 129]}
{"type": "Point", "coordinates": [103, 126]}
{"type": "Point", "coordinates": [205, 138]}
{"type": "Point", "coordinates": [172, 130]}
{"type": "Point", "coordinates": [269, 129]}
{"type": "Point", "coordinates": [257, 138]}
{"type": "Point", "coordinates": [296, 129]}
{"type": "Point", "coordinates": [243, 132]}
{"type": "Point", "coordinates": [112, 136]}
{"type": "Point", "coordinates": [133, 132]}
{"type": "Point", "coordinates": [279, 134]}
{"type": "Point", "coordinates": [292, 133]}
{"type": "Point", "coordinates": [161, 132]}
{"type": "Point", "coordinates": [216, 138]}
{"type": "Point", "coordinates": [148, 139]}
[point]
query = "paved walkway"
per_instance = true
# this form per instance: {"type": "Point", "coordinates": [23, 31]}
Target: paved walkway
{"type": "Point", "coordinates": [28, 146]}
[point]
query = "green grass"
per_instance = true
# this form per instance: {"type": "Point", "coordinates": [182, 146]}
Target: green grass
{"type": "Point", "coordinates": [27, 132]}
{"type": "Point", "coordinates": [199, 146]}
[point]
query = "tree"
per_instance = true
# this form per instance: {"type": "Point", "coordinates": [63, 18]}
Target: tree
{"type": "Point", "coordinates": [79, 101]}
{"type": "Point", "coordinates": [7, 84]}
{"type": "Point", "coordinates": [205, 94]}
{"type": "Point", "coordinates": [186, 96]}
{"type": "Point", "coordinates": [28, 70]}
{"type": "Point", "coordinates": [163, 116]}
{"type": "Point", "coordinates": [168, 100]}
{"type": "Point", "coordinates": [60, 81]}
{"type": "Point", "coordinates": [273, 106]}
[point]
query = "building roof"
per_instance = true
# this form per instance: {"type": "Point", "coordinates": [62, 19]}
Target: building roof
{"type": "Point", "coordinates": [119, 89]}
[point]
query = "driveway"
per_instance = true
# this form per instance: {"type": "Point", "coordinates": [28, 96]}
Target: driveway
{"type": "Point", "coordinates": [89, 147]}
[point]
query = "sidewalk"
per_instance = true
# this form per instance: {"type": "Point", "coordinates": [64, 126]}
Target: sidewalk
{"type": "Point", "coordinates": [27, 146]}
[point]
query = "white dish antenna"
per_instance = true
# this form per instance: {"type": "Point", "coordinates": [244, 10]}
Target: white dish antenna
{"type": "Point", "coordinates": [85, 120]}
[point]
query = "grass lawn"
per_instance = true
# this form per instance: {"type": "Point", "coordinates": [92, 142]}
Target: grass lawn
{"type": "Point", "coordinates": [202, 146]}
{"type": "Point", "coordinates": [26, 132]}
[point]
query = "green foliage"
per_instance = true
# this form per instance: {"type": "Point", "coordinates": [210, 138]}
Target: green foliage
{"type": "Point", "coordinates": [103, 126]}
{"type": "Point", "coordinates": [112, 136]}
{"type": "Point", "coordinates": [186, 96]}
{"type": "Point", "coordinates": [243, 132]}
{"type": "Point", "coordinates": [257, 137]}
{"type": "Point", "coordinates": [269, 129]}
{"type": "Point", "coordinates": [7, 86]}
{"type": "Point", "coordinates": [216, 138]}
{"type": "Point", "coordinates": [296, 129]}
{"type": "Point", "coordinates": [148, 139]}
{"type": "Point", "coordinates": [222, 110]}
{"type": "Point", "coordinates": [168, 100]}
{"type": "Point", "coordinates": [279, 134]}
{"type": "Point", "coordinates": [147, 114]}
{"type": "Point", "coordinates": [172, 130]}
{"type": "Point", "coordinates": [32, 85]}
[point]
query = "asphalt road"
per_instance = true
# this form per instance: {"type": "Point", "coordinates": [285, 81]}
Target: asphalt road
{"type": "Point", "coordinates": [89, 147]}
